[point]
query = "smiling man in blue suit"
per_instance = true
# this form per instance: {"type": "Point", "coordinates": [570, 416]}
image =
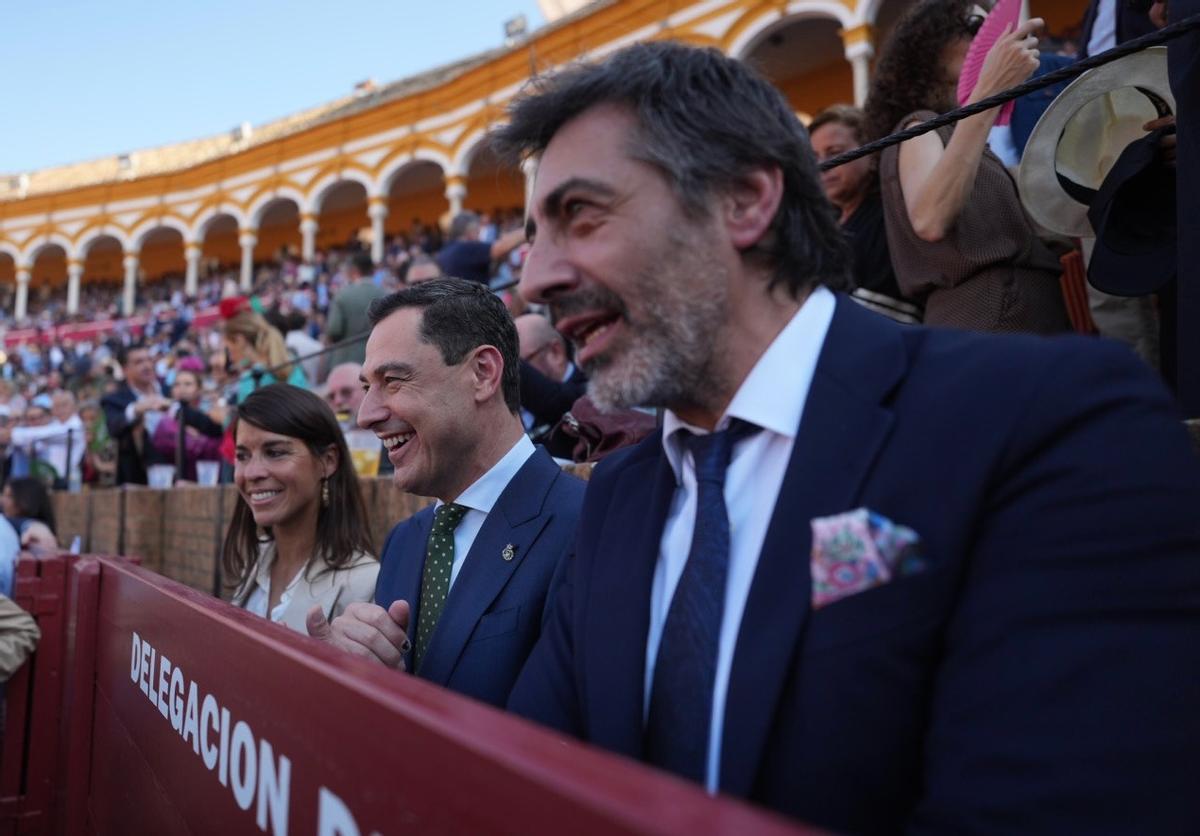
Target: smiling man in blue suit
{"type": "Point", "coordinates": [880, 578]}
{"type": "Point", "coordinates": [464, 585]}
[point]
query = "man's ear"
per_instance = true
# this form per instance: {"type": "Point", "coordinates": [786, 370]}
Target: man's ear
{"type": "Point", "coordinates": [487, 368]}
{"type": "Point", "coordinates": [750, 206]}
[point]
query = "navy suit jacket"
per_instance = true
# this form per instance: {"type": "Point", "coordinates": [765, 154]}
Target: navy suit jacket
{"type": "Point", "coordinates": [1042, 675]}
{"type": "Point", "coordinates": [494, 613]}
{"type": "Point", "coordinates": [132, 463]}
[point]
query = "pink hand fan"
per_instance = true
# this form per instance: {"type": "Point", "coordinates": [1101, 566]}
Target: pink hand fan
{"type": "Point", "coordinates": [1004, 13]}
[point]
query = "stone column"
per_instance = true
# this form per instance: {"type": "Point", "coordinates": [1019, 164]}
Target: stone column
{"type": "Point", "coordinates": [74, 280]}
{"type": "Point", "coordinates": [456, 191]}
{"type": "Point", "coordinates": [248, 238]}
{"type": "Point", "coordinates": [129, 297]}
{"type": "Point", "coordinates": [308, 232]}
{"type": "Point", "coordinates": [21, 306]}
{"type": "Point", "coordinates": [860, 49]}
{"type": "Point", "coordinates": [377, 210]}
{"type": "Point", "coordinates": [191, 254]}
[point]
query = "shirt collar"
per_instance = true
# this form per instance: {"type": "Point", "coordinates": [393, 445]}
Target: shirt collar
{"type": "Point", "coordinates": [484, 491]}
{"type": "Point", "coordinates": [773, 395]}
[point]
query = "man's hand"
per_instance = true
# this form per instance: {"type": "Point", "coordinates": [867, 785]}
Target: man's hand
{"type": "Point", "coordinates": [1166, 147]}
{"type": "Point", "coordinates": [39, 539]}
{"type": "Point", "coordinates": [366, 630]}
{"type": "Point", "coordinates": [144, 405]}
{"type": "Point", "coordinates": [1158, 13]}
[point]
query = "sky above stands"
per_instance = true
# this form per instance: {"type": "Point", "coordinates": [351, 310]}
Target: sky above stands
{"type": "Point", "coordinates": [81, 79]}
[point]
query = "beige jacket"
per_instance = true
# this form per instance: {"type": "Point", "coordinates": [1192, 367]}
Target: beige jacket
{"type": "Point", "coordinates": [19, 636]}
{"type": "Point", "coordinates": [332, 590]}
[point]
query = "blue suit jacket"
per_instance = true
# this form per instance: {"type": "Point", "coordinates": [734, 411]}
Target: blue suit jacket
{"type": "Point", "coordinates": [1042, 675]}
{"type": "Point", "coordinates": [495, 609]}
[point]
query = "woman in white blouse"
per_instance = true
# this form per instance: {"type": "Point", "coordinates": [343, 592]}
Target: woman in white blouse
{"type": "Point", "coordinates": [299, 536]}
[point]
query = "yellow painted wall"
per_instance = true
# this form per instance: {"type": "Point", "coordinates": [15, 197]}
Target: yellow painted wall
{"type": "Point", "coordinates": [812, 92]}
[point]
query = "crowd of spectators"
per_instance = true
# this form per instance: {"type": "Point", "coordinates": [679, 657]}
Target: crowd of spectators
{"type": "Point", "coordinates": [205, 353]}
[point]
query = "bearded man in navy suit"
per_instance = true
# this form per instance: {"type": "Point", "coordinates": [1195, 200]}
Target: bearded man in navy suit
{"type": "Point", "coordinates": [470, 578]}
{"type": "Point", "coordinates": [880, 578]}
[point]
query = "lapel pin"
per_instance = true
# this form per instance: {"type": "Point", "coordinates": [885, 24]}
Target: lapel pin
{"type": "Point", "coordinates": [510, 551]}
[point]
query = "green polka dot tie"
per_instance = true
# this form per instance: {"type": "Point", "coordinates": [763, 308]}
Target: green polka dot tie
{"type": "Point", "coordinates": [435, 580]}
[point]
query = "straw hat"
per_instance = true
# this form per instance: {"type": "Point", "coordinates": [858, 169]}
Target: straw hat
{"type": "Point", "coordinates": [1083, 132]}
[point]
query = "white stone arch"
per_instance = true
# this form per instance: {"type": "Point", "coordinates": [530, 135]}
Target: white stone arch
{"type": "Point", "coordinates": [468, 148]}
{"type": "Point", "coordinates": [267, 198]}
{"type": "Point", "coordinates": [11, 250]}
{"type": "Point", "coordinates": [138, 236]}
{"type": "Point", "coordinates": [203, 223]}
{"type": "Point", "coordinates": [94, 235]}
{"type": "Point", "coordinates": [34, 248]}
{"type": "Point", "coordinates": [422, 155]}
{"type": "Point", "coordinates": [770, 20]}
{"type": "Point", "coordinates": [318, 191]}
{"type": "Point", "coordinates": [867, 11]}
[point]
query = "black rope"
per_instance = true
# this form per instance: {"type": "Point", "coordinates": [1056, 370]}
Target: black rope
{"type": "Point", "coordinates": [1042, 81]}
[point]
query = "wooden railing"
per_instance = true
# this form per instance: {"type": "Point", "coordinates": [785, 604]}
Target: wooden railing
{"type": "Point", "coordinates": [178, 532]}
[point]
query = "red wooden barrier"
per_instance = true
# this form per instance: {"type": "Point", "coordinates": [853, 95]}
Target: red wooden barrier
{"type": "Point", "coordinates": [33, 701]}
{"type": "Point", "coordinates": [206, 719]}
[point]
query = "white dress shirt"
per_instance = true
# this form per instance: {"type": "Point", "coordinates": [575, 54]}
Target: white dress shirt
{"type": "Point", "coordinates": [1104, 29]}
{"type": "Point", "coordinates": [480, 498]}
{"type": "Point", "coordinates": [772, 397]}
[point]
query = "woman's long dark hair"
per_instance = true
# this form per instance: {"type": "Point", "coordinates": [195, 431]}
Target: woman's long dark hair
{"type": "Point", "coordinates": [342, 529]}
{"type": "Point", "coordinates": [909, 76]}
{"type": "Point", "coordinates": [33, 500]}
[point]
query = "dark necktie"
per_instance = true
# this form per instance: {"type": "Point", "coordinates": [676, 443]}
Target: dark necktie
{"type": "Point", "coordinates": [677, 727]}
{"type": "Point", "coordinates": [435, 579]}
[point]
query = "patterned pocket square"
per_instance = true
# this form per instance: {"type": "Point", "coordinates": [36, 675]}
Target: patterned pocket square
{"type": "Point", "coordinates": [859, 550]}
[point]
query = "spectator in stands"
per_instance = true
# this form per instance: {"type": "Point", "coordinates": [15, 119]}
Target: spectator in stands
{"type": "Point", "coordinates": [348, 311]}
{"type": "Point", "coordinates": [296, 485]}
{"type": "Point", "coordinates": [302, 344]}
{"type": "Point", "coordinates": [202, 432]}
{"type": "Point", "coordinates": [26, 505]}
{"type": "Point", "coordinates": [50, 438]}
{"type": "Point", "coordinates": [959, 238]}
{"type": "Point", "coordinates": [550, 382]}
{"type": "Point", "coordinates": [466, 257]}
{"type": "Point", "coordinates": [343, 391]}
{"type": "Point", "coordinates": [422, 268]}
{"type": "Point", "coordinates": [258, 353]}
{"type": "Point", "coordinates": [100, 459]}
{"type": "Point", "coordinates": [11, 398]}
{"type": "Point", "coordinates": [442, 394]}
{"type": "Point", "coordinates": [853, 189]}
{"type": "Point", "coordinates": [871, 576]}
{"type": "Point", "coordinates": [132, 413]}
{"type": "Point", "coordinates": [19, 634]}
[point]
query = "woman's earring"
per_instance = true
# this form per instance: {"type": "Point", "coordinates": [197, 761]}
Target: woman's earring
{"type": "Point", "coordinates": [325, 491]}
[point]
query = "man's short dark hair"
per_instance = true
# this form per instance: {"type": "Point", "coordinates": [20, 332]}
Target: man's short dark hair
{"type": "Point", "coordinates": [705, 120]}
{"type": "Point", "coordinates": [363, 264]}
{"type": "Point", "coordinates": [458, 317]}
{"type": "Point", "coordinates": [842, 114]}
{"type": "Point", "coordinates": [123, 351]}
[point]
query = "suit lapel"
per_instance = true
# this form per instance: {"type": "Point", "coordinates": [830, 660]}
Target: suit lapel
{"type": "Point", "coordinates": [408, 576]}
{"type": "Point", "coordinates": [516, 520]}
{"type": "Point", "coordinates": [622, 574]}
{"type": "Point", "coordinates": [841, 431]}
